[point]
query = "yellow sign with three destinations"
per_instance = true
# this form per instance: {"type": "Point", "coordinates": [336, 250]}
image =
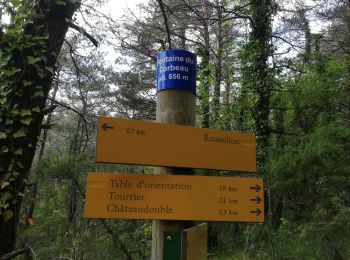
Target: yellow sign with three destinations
{"type": "Point", "coordinates": [174, 197]}
{"type": "Point", "coordinates": [145, 143]}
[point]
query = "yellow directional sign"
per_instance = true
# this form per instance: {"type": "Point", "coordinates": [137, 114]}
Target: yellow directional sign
{"type": "Point", "coordinates": [174, 197]}
{"type": "Point", "coordinates": [146, 143]}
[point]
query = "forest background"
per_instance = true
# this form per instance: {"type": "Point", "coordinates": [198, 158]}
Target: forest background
{"type": "Point", "coordinates": [278, 69]}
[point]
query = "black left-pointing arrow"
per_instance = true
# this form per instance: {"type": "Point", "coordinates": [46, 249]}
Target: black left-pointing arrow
{"type": "Point", "coordinates": [257, 200]}
{"type": "Point", "coordinates": [256, 212]}
{"type": "Point", "coordinates": [105, 127]}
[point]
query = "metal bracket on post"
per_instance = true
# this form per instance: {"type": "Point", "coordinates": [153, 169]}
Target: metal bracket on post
{"type": "Point", "coordinates": [172, 246]}
{"type": "Point", "coordinates": [188, 244]}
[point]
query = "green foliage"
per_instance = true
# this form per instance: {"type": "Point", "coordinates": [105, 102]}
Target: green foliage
{"type": "Point", "coordinates": [313, 180]}
{"type": "Point", "coordinates": [314, 100]}
{"type": "Point", "coordinates": [22, 56]}
{"type": "Point", "coordinates": [205, 80]}
{"type": "Point", "coordinates": [52, 234]}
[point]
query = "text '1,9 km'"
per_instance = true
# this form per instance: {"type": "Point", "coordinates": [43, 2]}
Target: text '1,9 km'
{"type": "Point", "coordinates": [174, 197]}
{"type": "Point", "coordinates": [146, 143]}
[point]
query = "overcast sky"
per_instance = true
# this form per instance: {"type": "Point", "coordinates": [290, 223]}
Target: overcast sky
{"type": "Point", "coordinates": [117, 7]}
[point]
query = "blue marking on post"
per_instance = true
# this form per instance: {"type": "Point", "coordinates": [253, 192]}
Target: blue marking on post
{"type": "Point", "coordinates": [176, 69]}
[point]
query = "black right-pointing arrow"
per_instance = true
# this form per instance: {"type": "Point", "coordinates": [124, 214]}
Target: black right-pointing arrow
{"type": "Point", "coordinates": [257, 188]}
{"type": "Point", "coordinates": [256, 212]}
{"type": "Point", "coordinates": [257, 199]}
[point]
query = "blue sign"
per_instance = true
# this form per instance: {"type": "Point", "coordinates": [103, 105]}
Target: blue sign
{"type": "Point", "coordinates": [176, 69]}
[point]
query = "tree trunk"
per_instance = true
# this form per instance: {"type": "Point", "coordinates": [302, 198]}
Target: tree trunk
{"type": "Point", "coordinates": [218, 68]}
{"type": "Point", "coordinates": [204, 96]}
{"type": "Point", "coordinates": [307, 34]}
{"type": "Point", "coordinates": [30, 62]}
{"type": "Point", "coordinates": [226, 98]}
{"type": "Point", "coordinates": [261, 49]}
{"type": "Point", "coordinates": [348, 59]}
{"type": "Point", "coordinates": [48, 120]}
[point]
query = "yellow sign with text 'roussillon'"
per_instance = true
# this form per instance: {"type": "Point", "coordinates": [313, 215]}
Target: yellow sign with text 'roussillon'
{"type": "Point", "coordinates": [146, 143]}
{"type": "Point", "coordinates": [174, 197]}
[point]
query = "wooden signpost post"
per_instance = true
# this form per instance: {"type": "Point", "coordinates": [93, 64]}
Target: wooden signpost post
{"type": "Point", "coordinates": [176, 103]}
{"type": "Point", "coordinates": [173, 198]}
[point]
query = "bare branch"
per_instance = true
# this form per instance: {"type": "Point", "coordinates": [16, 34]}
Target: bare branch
{"type": "Point", "coordinates": [161, 5]}
{"type": "Point", "coordinates": [83, 32]}
{"type": "Point", "coordinates": [71, 108]}
{"type": "Point", "coordinates": [291, 44]}
{"type": "Point", "coordinates": [16, 253]}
